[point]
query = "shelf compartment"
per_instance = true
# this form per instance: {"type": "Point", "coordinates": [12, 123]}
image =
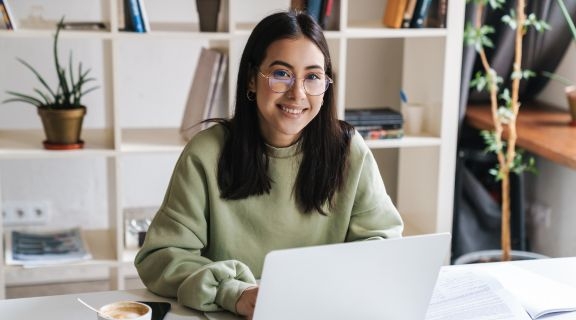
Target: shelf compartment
{"type": "Point", "coordinates": [99, 243]}
{"type": "Point", "coordinates": [27, 143]}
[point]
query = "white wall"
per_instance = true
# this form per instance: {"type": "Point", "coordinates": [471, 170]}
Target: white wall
{"type": "Point", "coordinates": [551, 191]}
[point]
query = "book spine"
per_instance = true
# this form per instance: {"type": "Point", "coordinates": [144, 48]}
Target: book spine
{"type": "Point", "coordinates": [408, 13]}
{"type": "Point", "coordinates": [437, 14]}
{"type": "Point", "coordinates": [121, 14]}
{"type": "Point", "coordinates": [298, 5]}
{"type": "Point", "coordinates": [144, 16]}
{"type": "Point", "coordinates": [7, 15]}
{"type": "Point", "coordinates": [314, 9]}
{"type": "Point", "coordinates": [135, 17]}
{"type": "Point", "coordinates": [4, 22]}
{"type": "Point", "coordinates": [219, 108]}
{"type": "Point", "coordinates": [394, 13]}
{"type": "Point", "coordinates": [420, 13]}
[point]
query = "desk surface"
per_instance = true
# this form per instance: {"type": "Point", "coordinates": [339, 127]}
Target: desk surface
{"type": "Point", "coordinates": [543, 131]}
{"type": "Point", "coordinates": [67, 307]}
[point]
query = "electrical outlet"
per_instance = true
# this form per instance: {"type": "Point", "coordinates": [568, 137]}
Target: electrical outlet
{"type": "Point", "coordinates": [20, 213]}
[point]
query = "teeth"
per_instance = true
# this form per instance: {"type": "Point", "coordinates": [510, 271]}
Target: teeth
{"type": "Point", "coordinates": [292, 111]}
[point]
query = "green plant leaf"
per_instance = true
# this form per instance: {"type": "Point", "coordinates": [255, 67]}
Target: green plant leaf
{"type": "Point", "coordinates": [23, 98]}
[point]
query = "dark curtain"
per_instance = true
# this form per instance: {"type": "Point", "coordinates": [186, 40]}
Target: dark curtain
{"type": "Point", "coordinates": [542, 51]}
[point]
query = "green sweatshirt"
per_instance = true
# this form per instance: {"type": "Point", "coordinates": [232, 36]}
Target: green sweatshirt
{"type": "Point", "coordinates": [205, 251]}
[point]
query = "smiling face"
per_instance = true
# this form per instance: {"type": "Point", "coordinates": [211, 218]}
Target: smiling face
{"type": "Point", "coordinates": [283, 116]}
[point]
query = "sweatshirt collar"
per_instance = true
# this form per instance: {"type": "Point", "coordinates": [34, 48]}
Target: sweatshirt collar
{"type": "Point", "coordinates": [284, 152]}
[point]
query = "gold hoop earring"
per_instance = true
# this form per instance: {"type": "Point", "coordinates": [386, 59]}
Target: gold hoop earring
{"type": "Point", "coordinates": [251, 95]}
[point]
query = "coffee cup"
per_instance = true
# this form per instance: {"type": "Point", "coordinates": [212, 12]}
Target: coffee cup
{"type": "Point", "coordinates": [125, 310]}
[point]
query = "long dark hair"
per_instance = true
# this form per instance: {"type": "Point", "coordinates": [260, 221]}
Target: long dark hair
{"type": "Point", "coordinates": [243, 164]}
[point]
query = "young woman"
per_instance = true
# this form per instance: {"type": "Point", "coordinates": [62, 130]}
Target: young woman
{"type": "Point", "coordinates": [283, 172]}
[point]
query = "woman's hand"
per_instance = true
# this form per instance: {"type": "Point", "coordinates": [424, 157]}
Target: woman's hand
{"type": "Point", "coordinates": [246, 303]}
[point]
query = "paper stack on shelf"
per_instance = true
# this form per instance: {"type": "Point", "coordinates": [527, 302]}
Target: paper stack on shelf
{"type": "Point", "coordinates": [32, 248]}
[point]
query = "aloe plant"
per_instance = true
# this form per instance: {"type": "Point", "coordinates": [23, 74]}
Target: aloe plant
{"type": "Point", "coordinates": [70, 89]}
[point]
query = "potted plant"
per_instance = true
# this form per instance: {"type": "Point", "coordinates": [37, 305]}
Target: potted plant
{"type": "Point", "coordinates": [60, 109]}
{"type": "Point", "coordinates": [504, 102]}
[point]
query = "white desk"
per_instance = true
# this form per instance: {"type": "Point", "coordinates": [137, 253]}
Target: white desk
{"type": "Point", "coordinates": [66, 307]}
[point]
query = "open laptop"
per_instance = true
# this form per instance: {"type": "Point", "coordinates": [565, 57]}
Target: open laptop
{"type": "Point", "coordinates": [379, 279]}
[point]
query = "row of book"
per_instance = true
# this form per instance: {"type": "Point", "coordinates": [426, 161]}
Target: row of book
{"type": "Point", "coordinates": [373, 124]}
{"type": "Point", "coordinates": [415, 13]}
{"type": "Point", "coordinates": [7, 21]}
{"type": "Point", "coordinates": [207, 95]}
{"type": "Point", "coordinates": [320, 10]}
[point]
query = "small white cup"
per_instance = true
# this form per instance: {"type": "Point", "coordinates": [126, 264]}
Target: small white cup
{"type": "Point", "coordinates": [125, 310]}
{"type": "Point", "coordinates": [413, 118]}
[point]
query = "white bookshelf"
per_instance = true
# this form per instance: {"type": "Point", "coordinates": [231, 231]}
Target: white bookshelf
{"type": "Point", "coordinates": [372, 64]}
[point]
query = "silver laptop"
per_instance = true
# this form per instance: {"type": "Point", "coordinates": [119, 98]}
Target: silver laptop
{"type": "Point", "coordinates": [380, 280]}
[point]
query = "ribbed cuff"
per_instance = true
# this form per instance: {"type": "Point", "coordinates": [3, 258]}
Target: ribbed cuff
{"type": "Point", "coordinates": [229, 292]}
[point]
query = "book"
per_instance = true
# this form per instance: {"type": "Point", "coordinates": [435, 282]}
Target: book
{"type": "Point", "coordinates": [144, 16]}
{"type": "Point", "coordinates": [508, 291]}
{"type": "Point", "coordinates": [9, 21]}
{"type": "Point", "coordinates": [331, 18]}
{"type": "Point", "coordinates": [408, 13]}
{"type": "Point", "coordinates": [298, 5]}
{"type": "Point", "coordinates": [29, 248]}
{"type": "Point", "coordinates": [4, 21]}
{"type": "Point", "coordinates": [420, 13]}
{"type": "Point", "coordinates": [132, 16]}
{"type": "Point", "coordinates": [386, 118]}
{"type": "Point", "coordinates": [84, 25]}
{"type": "Point", "coordinates": [219, 106]}
{"type": "Point", "coordinates": [201, 93]}
{"type": "Point", "coordinates": [314, 9]}
{"type": "Point", "coordinates": [437, 14]}
{"type": "Point", "coordinates": [381, 133]}
{"type": "Point", "coordinates": [394, 13]}
{"type": "Point", "coordinates": [121, 13]}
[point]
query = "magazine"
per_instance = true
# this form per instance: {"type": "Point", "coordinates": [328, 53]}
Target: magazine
{"type": "Point", "coordinates": [31, 248]}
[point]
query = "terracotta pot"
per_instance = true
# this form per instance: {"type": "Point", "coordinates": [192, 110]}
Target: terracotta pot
{"type": "Point", "coordinates": [62, 127]}
{"type": "Point", "coordinates": [571, 97]}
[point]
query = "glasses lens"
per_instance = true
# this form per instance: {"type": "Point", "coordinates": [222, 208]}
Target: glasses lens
{"type": "Point", "coordinates": [280, 81]}
{"type": "Point", "coordinates": [315, 87]}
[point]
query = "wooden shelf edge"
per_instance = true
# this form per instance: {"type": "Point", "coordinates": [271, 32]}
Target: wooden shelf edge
{"type": "Point", "coordinates": [542, 130]}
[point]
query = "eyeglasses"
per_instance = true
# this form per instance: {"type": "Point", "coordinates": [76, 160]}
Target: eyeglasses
{"type": "Point", "coordinates": [280, 81]}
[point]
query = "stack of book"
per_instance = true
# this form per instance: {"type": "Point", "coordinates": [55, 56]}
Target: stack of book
{"type": "Point", "coordinates": [383, 123]}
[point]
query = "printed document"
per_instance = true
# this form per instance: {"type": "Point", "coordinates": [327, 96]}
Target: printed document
{"type": "Point", "coordinates": [499, 292]}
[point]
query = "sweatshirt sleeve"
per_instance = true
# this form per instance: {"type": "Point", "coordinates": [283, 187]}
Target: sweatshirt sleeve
{"type": "Point", "coordinates": [170, 262]}
{"type": "Point", "coordinates": [374, 216]}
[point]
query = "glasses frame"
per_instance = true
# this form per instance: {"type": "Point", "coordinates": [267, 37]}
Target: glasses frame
{"type": "Point", "coordinates": [270, 78]}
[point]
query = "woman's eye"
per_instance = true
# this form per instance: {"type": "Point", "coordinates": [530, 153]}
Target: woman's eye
{"type": "Point", "coordinates": [281, 74]}
{"type": "Point", "coordinates": [313, 76]}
